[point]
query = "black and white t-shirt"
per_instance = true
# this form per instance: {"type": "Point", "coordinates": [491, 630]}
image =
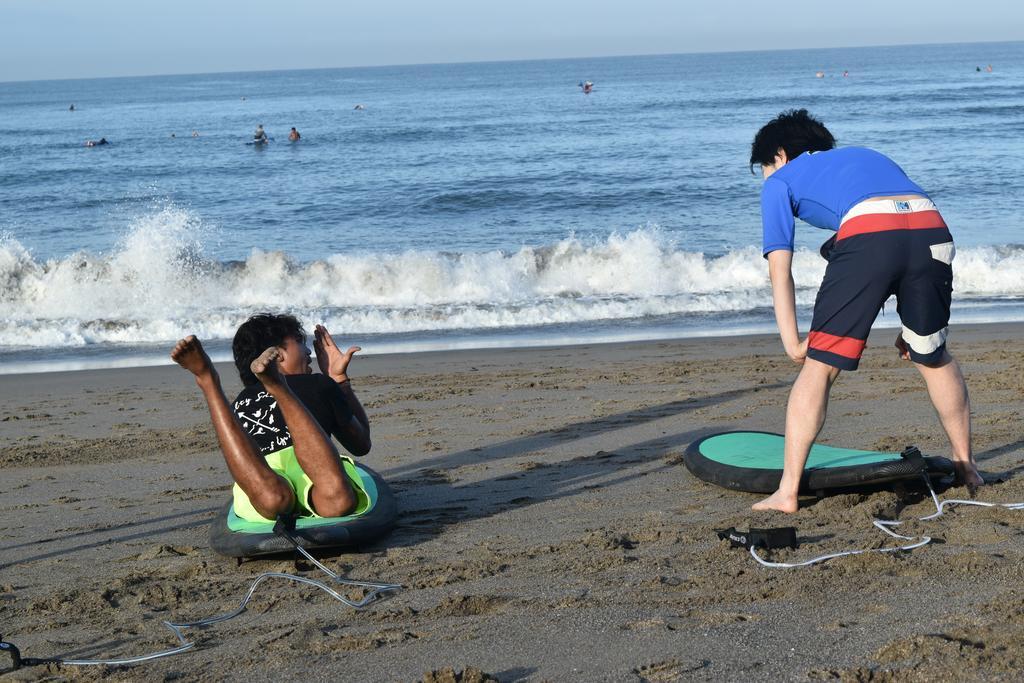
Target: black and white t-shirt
{"type": "Point", "coordinates": [262, 419]}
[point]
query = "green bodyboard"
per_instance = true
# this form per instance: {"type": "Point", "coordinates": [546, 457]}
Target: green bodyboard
{"type": "Point", "coordinates": [366, 497]}
{"type": "Point", "coordinates": [757, 450]}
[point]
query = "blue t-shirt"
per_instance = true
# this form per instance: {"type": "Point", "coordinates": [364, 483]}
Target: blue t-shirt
{"type": "Point", "coordinates": [820, 187]}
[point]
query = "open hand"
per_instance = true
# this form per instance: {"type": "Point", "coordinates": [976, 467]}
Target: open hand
{"type": "Point", "coordinates": [332, 361]}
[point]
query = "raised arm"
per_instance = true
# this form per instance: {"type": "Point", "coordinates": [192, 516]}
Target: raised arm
{"type": "Point", "coordinates": [353, 424]}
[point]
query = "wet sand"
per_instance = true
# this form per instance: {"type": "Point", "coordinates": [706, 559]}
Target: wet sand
{"type": "Point", "coordinates": [548, 529]}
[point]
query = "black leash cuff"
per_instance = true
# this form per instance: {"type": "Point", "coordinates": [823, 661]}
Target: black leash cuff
{"type": "Point", "coordinates": [770, 539]}
{"type": "Point", "coordinates": [13, 651]}
{"type": "Point", "coordinates": [17, 661]}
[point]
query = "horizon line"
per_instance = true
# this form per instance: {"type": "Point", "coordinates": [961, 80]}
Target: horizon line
{"type": "Point", "coordinates": [503, 61]}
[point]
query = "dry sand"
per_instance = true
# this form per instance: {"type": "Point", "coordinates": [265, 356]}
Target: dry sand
{"type": "Point", "coordinates": [548, 529]}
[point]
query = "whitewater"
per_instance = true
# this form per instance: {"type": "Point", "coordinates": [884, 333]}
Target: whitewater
{"type": "Point", "coordinates": [159, 281]}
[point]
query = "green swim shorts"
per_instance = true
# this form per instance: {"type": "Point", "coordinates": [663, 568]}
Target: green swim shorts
{"type": "Point", "coordinates": [285, 464]}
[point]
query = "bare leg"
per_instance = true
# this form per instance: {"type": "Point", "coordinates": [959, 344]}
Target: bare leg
{"type": "Point", "coordinates": [269, 493]}
{"type": "Point", "coordinates": [332, 495]}
{"type": "Point", "coordinates": [805, 415]}
{"type": "Point", "coordinates": [948, 391]}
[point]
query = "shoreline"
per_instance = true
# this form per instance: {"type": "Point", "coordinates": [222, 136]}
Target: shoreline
{"type": "Point", "coordinates": [547, 529]}
{"type": "Point", "coordinates": [458, 345]}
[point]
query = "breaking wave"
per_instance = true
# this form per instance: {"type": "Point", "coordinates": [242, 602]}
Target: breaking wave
{"type": "Point", "coordinates": [157, 284]}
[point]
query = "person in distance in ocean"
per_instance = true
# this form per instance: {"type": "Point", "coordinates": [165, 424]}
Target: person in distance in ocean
{"type": "Point", "coordinates": [890, 239]}
{"type": "Point", "coordinates": [275, 435]}
{"type": "Point", "coordinates": [260, 136]}
{"type": "Point", "coordinates": [294, 135]}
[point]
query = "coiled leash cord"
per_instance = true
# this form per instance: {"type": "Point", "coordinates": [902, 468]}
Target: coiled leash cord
{"type": "Point", "coordinates": [887, 527]}
{"type": "Point", "coordinates": [284, 527]}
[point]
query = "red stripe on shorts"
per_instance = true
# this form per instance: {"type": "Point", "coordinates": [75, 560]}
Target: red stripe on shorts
{"type": "Point", "coordinates": [847, 347]}
{"type": "Point", "coordinates": [880, 222]}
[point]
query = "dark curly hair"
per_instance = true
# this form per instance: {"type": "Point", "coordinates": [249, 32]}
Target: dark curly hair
{"type": "Point", "coordinates": [258, 333]}
{"type": "Point", "coordinates": [795, 131]}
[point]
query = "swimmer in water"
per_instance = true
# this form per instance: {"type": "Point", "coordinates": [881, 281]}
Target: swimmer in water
{"type": "Point", "coordinates": [359, 107]}
{"type": "Point", "coordinates": [260, 136]}
{"type": "Point", "coordinates": [294, 135]}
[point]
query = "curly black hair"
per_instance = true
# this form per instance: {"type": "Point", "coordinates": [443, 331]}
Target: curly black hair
{"type": "Point", "coordinates": [258, 333]}
{"type": "Point", "coordinates": [795, 131]}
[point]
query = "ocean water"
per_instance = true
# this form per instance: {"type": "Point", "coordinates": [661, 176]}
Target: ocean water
{"type": "Point", "coordinates": [470, 205]}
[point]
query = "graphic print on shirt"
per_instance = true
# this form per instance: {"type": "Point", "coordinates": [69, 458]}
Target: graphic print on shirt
{"type": "Point", "coordinates": [262, 420]}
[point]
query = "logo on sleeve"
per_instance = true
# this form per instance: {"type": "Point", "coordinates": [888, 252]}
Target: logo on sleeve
{"type": "Point", "coordinates": [902, 206]}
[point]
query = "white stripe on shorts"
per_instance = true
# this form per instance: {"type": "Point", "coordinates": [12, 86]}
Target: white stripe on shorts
{"type": "Point", "coordinates": [872, 206]}
{"type": "Point", "coordinates": [924, 343]}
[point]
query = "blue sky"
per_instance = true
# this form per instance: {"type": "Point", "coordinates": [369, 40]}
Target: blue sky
{"type": "Point", "coordinates": [41, 39]}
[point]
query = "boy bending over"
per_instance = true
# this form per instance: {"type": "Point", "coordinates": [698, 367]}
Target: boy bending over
{"type": "Point", "coordinates": [890, 240]}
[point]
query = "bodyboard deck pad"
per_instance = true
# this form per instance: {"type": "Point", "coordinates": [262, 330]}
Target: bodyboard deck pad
{"type": "Point", "coordinates": [752, 461]}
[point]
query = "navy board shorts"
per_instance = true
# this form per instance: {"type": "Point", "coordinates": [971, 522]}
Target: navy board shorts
{"type": "Point", "coordinates": [884, 247]}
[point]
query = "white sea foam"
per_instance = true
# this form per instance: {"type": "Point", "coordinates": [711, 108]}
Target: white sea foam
{"type": "Point", "coordinates": [157, 285]}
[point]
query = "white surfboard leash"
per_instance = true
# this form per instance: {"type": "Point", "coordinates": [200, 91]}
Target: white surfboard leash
{"type": "Point", "coordinates": [887, 527]}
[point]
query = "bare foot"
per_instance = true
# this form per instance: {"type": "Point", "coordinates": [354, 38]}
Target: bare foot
{"type": "Point", "coordinates": [967, 475]}
{"type": "Point", "coordinates": [189, 354]}
{"type": "Point", "coordinates": [777, 501]}
{"type": "Point", "coordinates": [266, 370]}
